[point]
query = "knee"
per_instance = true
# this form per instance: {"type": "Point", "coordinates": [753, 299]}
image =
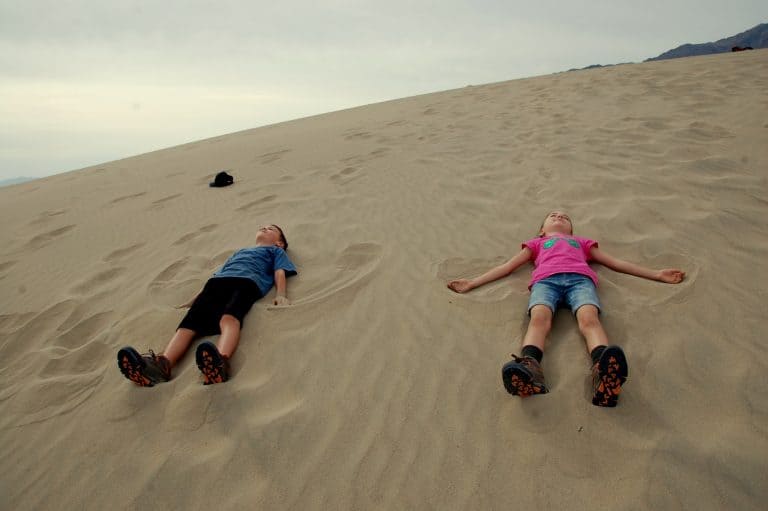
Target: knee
{"type": "Point", "coordinates": [228, 322]}
{"type": "Point", "coordinates": [541, 318]}
{"type": "Point", "coordinates": [587, 317]}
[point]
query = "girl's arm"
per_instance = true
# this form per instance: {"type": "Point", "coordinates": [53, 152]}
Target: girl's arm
{"type": "Point", "coordinates": [464, 285]}
{"type": "Point", "coordinates": [670, 276]}
{"type": "Point", "coordinates": [280, 298]}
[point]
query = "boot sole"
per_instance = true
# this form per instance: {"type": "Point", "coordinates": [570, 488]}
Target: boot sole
{"type": "Point", "coordinates": [613, 371]}
{"type": "Point", "coordinates": [211, 364]}
{"type": "Point", "coordinates": [132, 366]}
{"type": "Point", "coordinates": [519, 382]}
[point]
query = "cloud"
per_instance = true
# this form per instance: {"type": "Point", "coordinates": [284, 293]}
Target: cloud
{"type": "Point", "coordinates": [86, 81]}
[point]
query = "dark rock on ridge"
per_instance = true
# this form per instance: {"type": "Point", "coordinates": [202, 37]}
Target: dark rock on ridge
{"type": "Point", "coordinates": [756, 37]}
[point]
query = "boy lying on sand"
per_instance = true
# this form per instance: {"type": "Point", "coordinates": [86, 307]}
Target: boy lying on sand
{"type": "Point", "coordinates": [220, 308]}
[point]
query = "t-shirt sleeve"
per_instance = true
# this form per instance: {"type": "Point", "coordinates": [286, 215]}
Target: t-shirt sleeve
{"type": "Point", "coordinates": [586, 246]}
{"type": "Point", "coordinates": [282, 262]}
{"type": "Point", "coordinates": [533, 245]}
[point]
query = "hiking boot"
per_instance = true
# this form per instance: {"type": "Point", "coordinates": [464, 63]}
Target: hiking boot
{"type": "Point", "coordinates": [144, 370]}
{"type": "Point", "coordinates": [608, 375]}
{"type": "Point", "coordinates": [213, 365]}
{"type": "Point", "coordinates": [523, 377]}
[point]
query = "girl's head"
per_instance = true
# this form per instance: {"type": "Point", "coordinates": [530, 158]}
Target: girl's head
{"type": "Point", "coordinates": [272, 235]}
{"type": "Point", "coordinates": [556, 222]}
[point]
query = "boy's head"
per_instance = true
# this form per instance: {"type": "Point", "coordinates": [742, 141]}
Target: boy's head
{"type": "Point", "coordinates": [556, 222]}
{"type": "Point", "coordinates": [272, 235]}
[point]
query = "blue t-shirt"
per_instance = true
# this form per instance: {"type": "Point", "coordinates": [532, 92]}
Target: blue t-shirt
{"type": "Point", "coordinates": [258, 264]}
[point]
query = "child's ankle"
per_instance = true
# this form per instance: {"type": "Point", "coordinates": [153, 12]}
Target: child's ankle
{"type": "Point", "coordinates": [596, 353]}
{"type": "Point", "coordinates": [532, 352]}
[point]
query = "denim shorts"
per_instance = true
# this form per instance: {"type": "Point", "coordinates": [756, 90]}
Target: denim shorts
{"type": "Point", "coordinates": [568, 289]}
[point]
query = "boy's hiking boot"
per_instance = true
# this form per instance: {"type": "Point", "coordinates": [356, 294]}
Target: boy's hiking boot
{"type": "Point", "coordinates": [523, 377]}
{"type": "Point", "coordinates": [608, 375]}
{"type": "Point", "coordinates": [144, 370]}
{"type": "Point", "coordinates": [213, 365]}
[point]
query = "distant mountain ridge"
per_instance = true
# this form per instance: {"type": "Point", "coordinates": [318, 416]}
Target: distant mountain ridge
{"type": "Point", "coordinates": [756, 37]}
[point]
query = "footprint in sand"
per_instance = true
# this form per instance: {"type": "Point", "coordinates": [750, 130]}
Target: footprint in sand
{"type": "Point", "coordinates": [703, 132]}
{"type": "Point", "coordinates": [272, 156]}
{"type": "Point", "coordinates": [169, 272]}
{"type": "Point", "coordinates": [83, 331]}
{"type": "Point", "coordinates": [11, 323]}
{"type": "Point", "coordinates": [122, 252]}
{"type": "Point", "coordinates": [194, 234]}
{"type": "Point", "coordinates": [126, 197]}
{"type": "Point", "coordinates": [378, 153]}
{"type": "Point", "coordinates": [161, 202]}
{"type": "Point", "coordinates": [46, 216]}
{"type": "Point", "coordinates": [358, 135]}
{"type": "Point", "coordinates": [59, 364]}
{"type": "Point", "coordinates": [27, 332]}
{"type": "Point", "coordinates": [353, 160]}
{"type": "Point", "coordinates": [345, 175]}
{"type": "Point", "coordinates": [98, 281]}
{"type": "Point", "coordinates": [353, 266]}
{"type": "Point", "coordinates": [60, 361]}
{"type": "Point", "coordinates": [45, 238]}
{"type": "Point", "coordinates": [6, 265]}
{"type": "Point", "coordinates": [256, 204]}
{"type": "Point", "coordinates": [178, 282]}
{"type": "Point", "coordinates": [41, 399]}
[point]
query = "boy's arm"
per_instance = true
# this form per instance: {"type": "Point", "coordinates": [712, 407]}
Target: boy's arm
{"type": "Point", "coordinates": [464, 285]}
{"type": "Point", "coordinates": [670, 276]}
{"type": "Point", "coordinates": [280, 288]}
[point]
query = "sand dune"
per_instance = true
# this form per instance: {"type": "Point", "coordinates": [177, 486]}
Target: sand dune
{"type": "Point", "coordinates": [379, 388]}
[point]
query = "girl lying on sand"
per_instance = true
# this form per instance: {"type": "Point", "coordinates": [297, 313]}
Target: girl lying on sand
{"type": "Point", "coordinates": [561, 275]}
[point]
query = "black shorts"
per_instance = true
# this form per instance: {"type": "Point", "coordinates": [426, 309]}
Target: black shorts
{"type": "Point", "coordinates": [221, 295]}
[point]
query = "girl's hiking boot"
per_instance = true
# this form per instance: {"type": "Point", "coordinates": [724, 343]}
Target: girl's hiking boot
{"type": "Point", "coordinates": [213, 365]}
{"type": "Point", "coordinates": [523, 377]}
{"type": "Point", "coordinates": [144, 370]}
{"type": "Point", "coordinates": [608, 375]}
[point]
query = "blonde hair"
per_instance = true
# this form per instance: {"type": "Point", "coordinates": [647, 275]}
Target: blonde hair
{"type": "Point", "coordinates": [541, 233]}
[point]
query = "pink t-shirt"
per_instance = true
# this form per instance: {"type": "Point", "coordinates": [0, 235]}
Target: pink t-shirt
{"type": "Point", "coordinates": [560, 254]}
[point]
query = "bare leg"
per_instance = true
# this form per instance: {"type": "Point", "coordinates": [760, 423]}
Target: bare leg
{"type": "Point", "coordinates": [523, 376]}
{"type": "Point", "coordinates": [230, 335]}
{"type": "Point", "coordinates": [538, 327]}
{"type": "Point", "coordinates": [178, 345]}
{"type": "Point", "coordinates": [590, 327]}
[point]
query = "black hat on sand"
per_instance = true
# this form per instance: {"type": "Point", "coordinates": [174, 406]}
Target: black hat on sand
{"type": "Point", "coordinates": [222, 179]}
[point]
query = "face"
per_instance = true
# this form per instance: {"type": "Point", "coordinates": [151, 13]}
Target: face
{"type": "Point", "coordinates": [270, 235]}
{"type": "Point", "coordinates": [557, 222]}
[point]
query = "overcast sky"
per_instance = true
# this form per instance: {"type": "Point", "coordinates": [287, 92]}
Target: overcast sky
{"type": "Point", "coordinates": [84, 82]}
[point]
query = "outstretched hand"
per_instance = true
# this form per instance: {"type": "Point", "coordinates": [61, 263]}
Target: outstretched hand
{"type": "Point", "coordinates": [460, 285]}
{"type": "Point", "coordinates": [281, 300]}
{"type": "Point", "coordinates": [671, 276]}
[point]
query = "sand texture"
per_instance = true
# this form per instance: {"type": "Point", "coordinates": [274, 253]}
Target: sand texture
{"type": "Point", "coordinates": [379, 388]}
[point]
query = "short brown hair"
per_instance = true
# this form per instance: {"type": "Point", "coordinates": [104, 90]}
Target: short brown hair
{"type": "Point", "coordinates": [282, 236]}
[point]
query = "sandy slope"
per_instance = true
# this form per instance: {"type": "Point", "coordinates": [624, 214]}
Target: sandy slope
{"type": "Point", "coordinates": [379, 388]}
